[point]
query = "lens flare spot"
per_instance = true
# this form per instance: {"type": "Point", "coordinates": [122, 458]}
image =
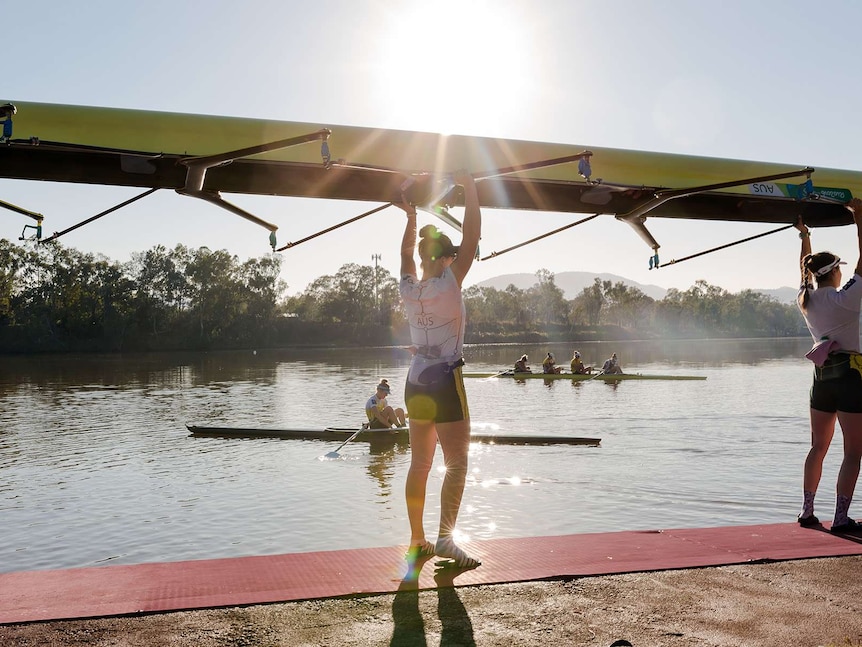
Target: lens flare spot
{"type": "Point", "coordinates": [421, 407]}
{"type": "Point", "coordinates": [460, 536]}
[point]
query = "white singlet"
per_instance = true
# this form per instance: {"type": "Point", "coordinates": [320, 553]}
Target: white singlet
{"type": "Point", "coordinates": [437, 317]}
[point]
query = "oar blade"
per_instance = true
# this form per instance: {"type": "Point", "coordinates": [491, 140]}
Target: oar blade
{"type": "Point", "coordinates": [334, 453]}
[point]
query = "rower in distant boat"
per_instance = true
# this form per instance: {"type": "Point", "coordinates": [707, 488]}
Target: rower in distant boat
{"type": "Point", "coordinates": [578, 367]}
{"type": "Point", "coordinates": [549, 365]}
{"type": "Point", "coordinates": [612, 365]}
{"type": "Point", "coordinates": [380, 414]}
{"type": "Point", "coordinates": [521, 365]}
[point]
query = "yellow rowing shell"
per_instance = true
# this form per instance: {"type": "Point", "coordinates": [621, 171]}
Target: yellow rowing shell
{"type": "Point", "coordinates": [97, 145]}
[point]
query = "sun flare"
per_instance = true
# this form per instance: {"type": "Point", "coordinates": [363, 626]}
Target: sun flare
{"type": "Point", "coordinates": [453, 68]}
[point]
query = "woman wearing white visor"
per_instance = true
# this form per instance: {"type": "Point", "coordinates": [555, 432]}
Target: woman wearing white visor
{"type": "Point", "coordinates": [831, 313]}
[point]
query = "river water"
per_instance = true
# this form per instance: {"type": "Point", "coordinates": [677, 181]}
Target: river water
{"type": "Point", "coordinates": [97, 467]}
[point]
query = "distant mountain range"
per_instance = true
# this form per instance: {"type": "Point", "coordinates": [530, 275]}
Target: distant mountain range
{"type": "Point", "coordinates": [573, 283]}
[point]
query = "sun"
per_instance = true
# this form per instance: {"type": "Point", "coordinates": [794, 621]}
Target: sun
{"type": "Point", "coordinates": [454, 67]}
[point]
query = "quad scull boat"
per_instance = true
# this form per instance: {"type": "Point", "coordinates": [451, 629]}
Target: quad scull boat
{"type": "Point", "coordinates": [608, 377]}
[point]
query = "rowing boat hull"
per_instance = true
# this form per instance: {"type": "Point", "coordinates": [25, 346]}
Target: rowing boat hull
{"type": "Point", "coordinates": [584, 378]}
{"type": "Point", "coordinates": [144, 149]}
{"type": "Point", "coordinates": [384, 436]}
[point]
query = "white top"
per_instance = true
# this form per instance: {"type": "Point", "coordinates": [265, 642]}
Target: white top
{"type": "Point", "coordinates": [834, 313]}
{"type": "Point", "coordinates": [437, 318]}
{"type": "Point", "coordinates": [374, 403]}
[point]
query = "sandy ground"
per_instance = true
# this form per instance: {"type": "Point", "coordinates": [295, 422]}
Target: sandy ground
{"type": "Point", "coordinates": [796, 603]}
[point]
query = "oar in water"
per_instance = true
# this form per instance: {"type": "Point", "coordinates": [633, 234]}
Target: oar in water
{"type": "Point", "coordinates": [335, 454]}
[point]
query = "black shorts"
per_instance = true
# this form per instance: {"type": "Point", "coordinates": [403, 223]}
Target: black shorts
{"type": "Point", "coordinates": [837, 387]}
{"type": "Point", "coordinates": [376, 424]}
{"type": "Point", "coordinates": [442, 401]}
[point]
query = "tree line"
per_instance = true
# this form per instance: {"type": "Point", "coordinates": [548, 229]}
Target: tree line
{"type": "Point", "coordinates": [701, 311]}
{"type": "Point", "coordinates": [55, 299]}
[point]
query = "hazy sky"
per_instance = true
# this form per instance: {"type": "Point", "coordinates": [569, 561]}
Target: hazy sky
{"type": "Point", "coordinates": [773, 81]}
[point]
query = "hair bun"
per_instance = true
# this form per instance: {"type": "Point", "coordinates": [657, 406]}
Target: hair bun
{"type": "Point", "coordinates": [429, 231]}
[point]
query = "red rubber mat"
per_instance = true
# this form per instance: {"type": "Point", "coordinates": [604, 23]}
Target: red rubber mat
{"type": "Point", "coordinates": [174, 586]}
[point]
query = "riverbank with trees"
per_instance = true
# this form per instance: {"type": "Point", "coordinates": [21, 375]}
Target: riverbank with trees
{"type": "Point", "coordinates": [58, 299]}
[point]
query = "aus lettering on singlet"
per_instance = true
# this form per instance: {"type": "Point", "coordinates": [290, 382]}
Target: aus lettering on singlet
{"type": "Point", "coordinates": [433, 361]}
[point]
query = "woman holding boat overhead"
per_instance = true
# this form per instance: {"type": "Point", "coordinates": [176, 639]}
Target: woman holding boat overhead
{"type": "Point", "coordinates": [832, 315]}
{"type": "Point", "coordinates": [435, 397]}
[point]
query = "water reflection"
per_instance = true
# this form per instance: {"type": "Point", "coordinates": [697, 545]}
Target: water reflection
{"type": "Point", "coordinates": [81, 436]}
{"type": "Point", "coordinates": [381, 464]}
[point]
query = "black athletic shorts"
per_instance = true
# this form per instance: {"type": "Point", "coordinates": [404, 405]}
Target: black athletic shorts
{"type": "Point", "coordinates": [837, 386]}
{"type": "Point", "coordinates": [442, 401]}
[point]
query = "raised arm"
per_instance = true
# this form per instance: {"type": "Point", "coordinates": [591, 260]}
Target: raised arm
{"type": "Point", "coordinates": [408, 242]}
{"type": "Point", "coordinates": [805, 235]}
{"type": "Point", "coordinates": [855, 205]}
{"type": "Point", "coordinates": [471, 228]}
